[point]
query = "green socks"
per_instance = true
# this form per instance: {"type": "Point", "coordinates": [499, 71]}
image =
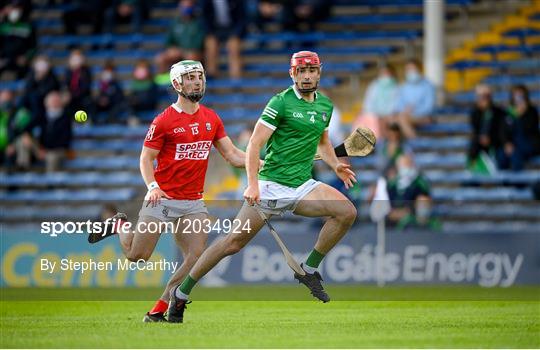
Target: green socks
{"type": "Point", "coordinates": [186, 287]}
{"type": "Point", "coordinates": [314, 259]}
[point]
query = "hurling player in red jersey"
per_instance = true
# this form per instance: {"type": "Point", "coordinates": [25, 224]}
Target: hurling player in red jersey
{"type": "Point", "coordinates": [180, 139]}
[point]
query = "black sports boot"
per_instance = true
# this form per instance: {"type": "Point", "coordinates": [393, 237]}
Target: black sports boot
{"type": "Point", "coordinates": [313, 282]}
{"type": "Point", "coordinates": [157, 317]}
{"type": "Point", "coordinates": [95, 237]}
{"type": "Point", "coordinates": [176, 308]}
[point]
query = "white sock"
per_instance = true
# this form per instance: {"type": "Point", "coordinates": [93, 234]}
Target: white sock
{"type": "Point", "coordinates": [180, 295]}
{"type": "Point", "coordinates": [309, 269]}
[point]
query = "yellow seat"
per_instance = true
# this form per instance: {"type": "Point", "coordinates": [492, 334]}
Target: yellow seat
{"type": "Point", "coordinates": [453, 80]}
{"type": "Point", "coordinates": [532, 40]}
{"type": "Point", "coordinates": [508, 56]}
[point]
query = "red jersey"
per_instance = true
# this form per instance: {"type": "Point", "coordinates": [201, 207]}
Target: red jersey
{"type": "Point", "coordinates": [184, 142]}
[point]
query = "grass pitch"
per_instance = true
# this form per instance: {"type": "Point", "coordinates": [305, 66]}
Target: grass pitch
{"type": "Point", "coordinates": [506, 318]}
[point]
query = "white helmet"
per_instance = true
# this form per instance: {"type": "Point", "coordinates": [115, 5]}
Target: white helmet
{"type": "Point", "coordinates": [184, 67]}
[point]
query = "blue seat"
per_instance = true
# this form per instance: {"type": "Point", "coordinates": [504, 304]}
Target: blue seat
{"type": "Point", "coordinates": [522, 32]}
{"type": "Point", "coordinates": [113, 145]}
{"type": "Point", "coordinates": [512, 80]}
{"type": "Point", "coordinates": [481, 194]}
{"type": "Point", "coordinates": [499, 96]}
{"type": "Point", "coordinates": [447, 128]}
{"type": "Point", "coordinates": [488, 210]}
{"type": "Point", "coordinates": [112, 130]}
{"type": "Point", "coordinates": [55, 213]}
{"type": "Point", "coordinates": [500, 178]}
{"type": "Point", "coordinates": [263, 82]}
{"type": "Point", "coordinates": [325, 36]}
{"type": "Point", "coordinates": [495, 49]}
{"type": "Point", "coordinates": [489, 227]}
{"type": "Point", "coordinates": [284, 67]}
{"type": "Point", "coordinates": [102, 163]}
{"type": "Point", "coordinates": [376, 19]}
{"type": "Point", "coordinates": [16, 85]}
{"type": "Point", "coordinates": [451, 109]}
{"type": "Point", "coordinates": [436, 159]}
{"type": "Point", "coordinates": [438, 143]}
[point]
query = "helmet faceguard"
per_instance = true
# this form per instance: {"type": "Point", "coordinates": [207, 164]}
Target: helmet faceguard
{"type": "Point", "coordinates": [177, 74]}
{"type": "Point", "coordinates": [304, 59]}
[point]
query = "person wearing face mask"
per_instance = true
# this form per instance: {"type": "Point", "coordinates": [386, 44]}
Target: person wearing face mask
{"type": "Point", "coordinates": [185, 40]}
{"type": "Point", "coordinates": [78, 82]}
{"type": "Point", "coordinates": [409, 194]}
{"type": "Point", "coordinates": [17, 41]}
{"type": "Point", "coordinates": [522, 134]}
{"type": "Point", "coordinates": [110, 101]}
{"type": "Point", "coordinates": [379, 101]}
{"type": "Point", "coordinates": [57, 131]}
{"type": "Point", "coordinates": [40, 81]}
{"type": "Point", "coordinates": [143, 92]}
{"type": "Point", "coordinates": [487, 124]}
{"type": "Point", "coordinates": [415, 101]}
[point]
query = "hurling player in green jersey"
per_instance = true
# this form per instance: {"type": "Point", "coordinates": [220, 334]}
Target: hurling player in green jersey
{"type": "Point", "coordinates": [293, 126]}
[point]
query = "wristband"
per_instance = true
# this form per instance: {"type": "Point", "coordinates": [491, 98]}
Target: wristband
{"type": "Point", "coordinates": [152, 185]}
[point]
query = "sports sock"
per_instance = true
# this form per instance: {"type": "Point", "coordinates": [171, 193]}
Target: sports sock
{"type": "Point", "coordinates": [185, 288]}
{"type": "Point", "coordinates": [160, 307]}
{"type": "Point", "coordinates": [313, 261]}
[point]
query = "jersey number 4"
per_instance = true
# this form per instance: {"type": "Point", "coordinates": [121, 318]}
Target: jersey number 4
{"type": "Point", "coordinates": [312, 119]}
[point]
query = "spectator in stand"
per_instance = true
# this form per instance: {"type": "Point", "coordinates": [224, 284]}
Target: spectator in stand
{"type": "Point", "coordinates": [17, 40]}
{"type": "Point", "coordinates": [78, 81]}
{"type": "Point", "coordinates": [110, 100]}
{"type": "Point", "coordinates": [272, 11]}
{"type": "Point", "coordinates": [305, 14]}
{"type": "Point", "coordinates": [126, 11]}
{"type": "Point", "coordinates": [16, 142]}
{"type": "Point", "coordinates": [7, 5]}
{"type": "Point", "coordinates": [415, 101]}
{"type": "Point", "coordinates": [409, 194]}
{"type": "Point", "coordinates": [185, 41]}
{"type": "Point", "coordinates": [393, 147]}
{"type": "Point", "coordinates": [522, 136]}
{"type": "Point", "coordinates": [224, 22]}
{"type": "Point", "coordinates": [84, 12]}
{"type": "Point", "coordinates": [379, 101]}
{"type": "Point", "coordinates": [57, 133]}
{"type": "Point", "coordinates": [143, 92]}
{"type": "Point", "coordinates": [487, 124]}
{"type": "Point", "coordinates": [40, 81]}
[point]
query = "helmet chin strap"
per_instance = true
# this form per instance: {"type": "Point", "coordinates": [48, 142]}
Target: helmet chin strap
{"type": "Point", "coordinates": [305, 91]}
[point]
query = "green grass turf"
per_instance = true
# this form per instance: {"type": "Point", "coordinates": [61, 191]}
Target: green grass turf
{"type": "Point", "coordinates": [511, 319]}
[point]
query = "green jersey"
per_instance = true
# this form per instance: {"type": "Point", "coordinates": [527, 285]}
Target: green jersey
{"type": "Point", "coordinates": [298, 126]}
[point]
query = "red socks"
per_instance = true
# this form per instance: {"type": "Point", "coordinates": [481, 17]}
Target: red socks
{"type": "Point", "coordinates": [160, 307]}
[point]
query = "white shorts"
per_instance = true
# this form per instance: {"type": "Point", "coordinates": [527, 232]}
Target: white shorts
{"type": "Point", "coordinates": [276, 199]}
{"type": "Point", "coordinates": [172, 209]}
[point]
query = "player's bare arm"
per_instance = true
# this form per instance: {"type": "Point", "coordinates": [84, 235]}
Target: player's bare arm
{"type": "Point", "coordinates": [258, 139]}
{"type": "Point", "coordinates": [232, 154]}
{"type": "Point", "coordinates": [342, 170]}
{"type": "Point", "coordinates": [146, 164]}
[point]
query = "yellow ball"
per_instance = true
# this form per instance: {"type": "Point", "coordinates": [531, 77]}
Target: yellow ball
{"type": "Point", "coordinates": [81, 116]}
